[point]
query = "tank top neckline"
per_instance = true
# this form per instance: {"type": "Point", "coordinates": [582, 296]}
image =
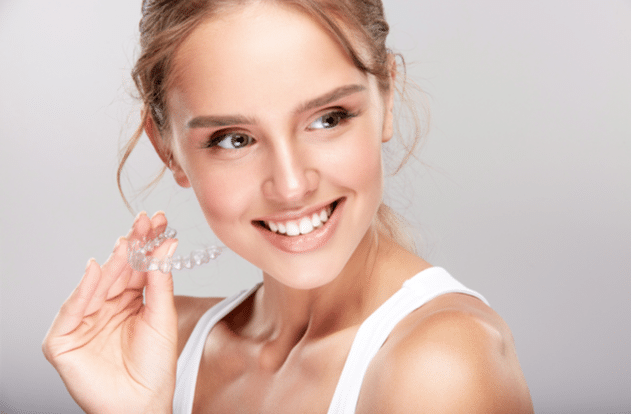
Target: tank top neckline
{"type": "Point", "coordinates": [373, 331]}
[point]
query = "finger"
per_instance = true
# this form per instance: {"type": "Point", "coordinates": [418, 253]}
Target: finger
{"type": "Point", "coordinates": [141, 231]}
{"type": "Point", "coordinates": [160, 311]}
{"type": "Point", "coordinates": [111, 271]}
{"type": "Point", "coordinates": [136, 219]}
{"type": "Point", "coordinates": [74, 308]}
{"type": "Point", "coordinates": [141, 228]}
{"type": "Point", "coordinates": [128, 278]}
{"type": "Point", "coordinates": [149, 228]}
{"type": "Point", "coordinates": [158, 222]}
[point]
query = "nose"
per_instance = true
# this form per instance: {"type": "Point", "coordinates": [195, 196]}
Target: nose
{"type": "Point", "coordinates": [290, 178]}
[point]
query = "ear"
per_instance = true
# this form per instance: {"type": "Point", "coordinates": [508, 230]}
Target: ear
{"type": "Point", "coordinates": [389, 99]}
{"type": "Point", "coordinates": [164, 152]}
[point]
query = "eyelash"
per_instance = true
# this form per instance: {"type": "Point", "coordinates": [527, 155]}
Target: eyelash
{"type": "Point", "coordinates": [341, 114]}
{"type": "Point", "coordinates": [220, 136]}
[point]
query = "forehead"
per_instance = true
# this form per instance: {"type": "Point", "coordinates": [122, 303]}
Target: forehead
{"type": "Point", "coordinates": [260, 54]}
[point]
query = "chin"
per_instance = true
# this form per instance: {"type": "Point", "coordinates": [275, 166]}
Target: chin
{"type": "Point", "coordinates": [298, 273]}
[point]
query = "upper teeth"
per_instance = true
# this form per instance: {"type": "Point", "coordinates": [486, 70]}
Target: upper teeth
{"type": "Point", "coordinates": [304, 225]}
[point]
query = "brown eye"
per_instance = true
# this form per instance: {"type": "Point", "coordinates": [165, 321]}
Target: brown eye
{"type": "Point", "coordinates": [329, 120]}
{"type": "Point", "coordinates": [233, 141]}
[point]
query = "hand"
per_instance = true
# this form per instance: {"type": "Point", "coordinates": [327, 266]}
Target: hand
{"type": "Point", "coordinates": [114, 353]}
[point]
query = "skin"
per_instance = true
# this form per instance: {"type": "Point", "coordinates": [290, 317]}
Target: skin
{"type": "Point", "coordinates": [105, 342]}
{"type": "Point", "coordinates": [283, 349]}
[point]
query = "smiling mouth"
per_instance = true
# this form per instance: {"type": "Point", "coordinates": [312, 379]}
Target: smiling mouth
{"type": "Point", "coordinates": [300, 226]}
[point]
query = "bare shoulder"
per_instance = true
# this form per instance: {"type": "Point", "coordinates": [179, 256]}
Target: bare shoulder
{"type": "Point", "coordinates": [190, 309]}
{"type": "Point", "coordinates": [452, 355]}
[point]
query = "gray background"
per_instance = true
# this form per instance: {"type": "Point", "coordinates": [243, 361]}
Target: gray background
{"type": "Point", "coordinates": [522, 192]}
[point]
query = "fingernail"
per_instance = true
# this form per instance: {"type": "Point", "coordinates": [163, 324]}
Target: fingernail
{"type": "Point", "coordinates": [139, 215]}
{"type": "Point", "coordinates": [118, 242]}
{"type": "Point", "coordinates": [158, 212]}
{"type": "Point", "coordinates": [92, 259]}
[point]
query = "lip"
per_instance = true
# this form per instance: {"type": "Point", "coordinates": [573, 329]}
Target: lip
{"type": "Point", "coordinates": [295, 215]}
{"type": "Point", "coordinates": [306, 242]}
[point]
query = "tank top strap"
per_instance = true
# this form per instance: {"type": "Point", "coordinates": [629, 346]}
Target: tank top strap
{"type": "Point", "coordinates": [189, 360]}
{"type": "Point", "coordinates": [372, 334]}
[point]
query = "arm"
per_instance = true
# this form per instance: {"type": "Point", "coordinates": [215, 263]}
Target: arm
{"type": "Point", "coordinates": [456, 359]}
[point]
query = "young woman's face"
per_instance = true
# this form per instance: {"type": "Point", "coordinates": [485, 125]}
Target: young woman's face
{"type": "Point", "coordinates": [278, 132]}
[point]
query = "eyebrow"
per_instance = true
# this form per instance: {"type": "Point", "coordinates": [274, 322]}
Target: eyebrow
{"type": "Point", "coordinates": [209, 121]}
{"type": "Point", "coordinates": [329, 97]}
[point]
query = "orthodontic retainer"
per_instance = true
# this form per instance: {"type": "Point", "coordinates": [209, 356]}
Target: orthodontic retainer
{"type": "Point", "coordinates": [138, 259]}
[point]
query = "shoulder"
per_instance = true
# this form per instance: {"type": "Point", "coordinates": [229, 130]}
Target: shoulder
{"type": "Point", "coordinates": [190, 309]}
{"type": "Point", "coordinates": [454, 354]}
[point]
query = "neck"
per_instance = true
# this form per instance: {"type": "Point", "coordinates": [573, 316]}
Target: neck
{"type": "Point", "coordinates": [375, 271]}
{"type": "Point", "coordinates": [340, 301]}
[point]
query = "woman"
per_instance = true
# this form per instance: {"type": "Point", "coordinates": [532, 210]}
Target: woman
{"type": "Point", "coordinates": [275, 113]}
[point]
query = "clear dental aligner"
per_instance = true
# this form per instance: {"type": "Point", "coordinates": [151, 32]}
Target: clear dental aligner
{"type": "Point", "coordinates": [138, 259]}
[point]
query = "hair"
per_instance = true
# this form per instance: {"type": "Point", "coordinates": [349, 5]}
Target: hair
{"type": "Point", "coordinates": [165, 24]}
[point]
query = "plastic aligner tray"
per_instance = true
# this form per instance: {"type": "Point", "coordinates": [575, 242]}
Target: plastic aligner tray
{"type": "Point", "coordinates": [139, 260]}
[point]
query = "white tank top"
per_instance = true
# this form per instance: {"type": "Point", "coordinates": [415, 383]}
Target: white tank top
{"type": "Point", "coordinates": [415, 292]}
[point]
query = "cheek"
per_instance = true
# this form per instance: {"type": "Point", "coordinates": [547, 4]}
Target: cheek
{"type": "Point", "coordinates": [357, 163]}
{"type": "Point", "coordinates": [224, 196]}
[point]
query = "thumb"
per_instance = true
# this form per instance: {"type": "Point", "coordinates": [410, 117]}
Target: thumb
{"type": "Point", "coordinates": [160, 309]}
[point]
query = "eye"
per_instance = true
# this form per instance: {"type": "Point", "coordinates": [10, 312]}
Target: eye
{"type": "Point", "coordinates": [330, 119]}
{"type": "Point", "coordinates": [232, 140]}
